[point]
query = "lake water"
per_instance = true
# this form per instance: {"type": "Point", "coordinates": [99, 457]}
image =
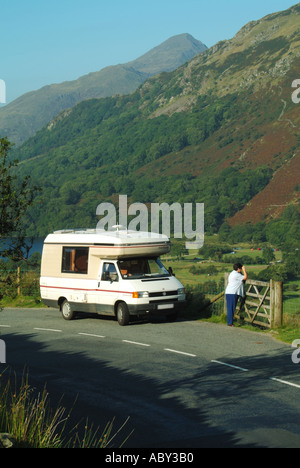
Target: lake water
{"type": "Point", "coordinates": [37, 245]}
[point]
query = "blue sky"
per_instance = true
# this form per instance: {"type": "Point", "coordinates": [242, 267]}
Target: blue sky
{"type": "Point", "coordinates": [44, 42]}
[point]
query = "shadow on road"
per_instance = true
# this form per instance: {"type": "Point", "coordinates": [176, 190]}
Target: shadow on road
{"type": "Point", "coordinates": [190, 411]}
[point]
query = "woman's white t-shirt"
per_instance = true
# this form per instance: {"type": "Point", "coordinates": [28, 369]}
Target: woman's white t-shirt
{"type": "Point", "coordinates": [235, 283]}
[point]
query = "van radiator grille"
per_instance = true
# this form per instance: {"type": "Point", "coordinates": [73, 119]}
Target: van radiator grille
{"type": "Point", "coordinates": [163, 293]}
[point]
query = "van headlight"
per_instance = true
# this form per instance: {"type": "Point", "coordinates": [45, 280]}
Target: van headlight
{"type": "Point", "coordinates": [180, 291]}
{"type": "Point", "coordinates": [140, 294]}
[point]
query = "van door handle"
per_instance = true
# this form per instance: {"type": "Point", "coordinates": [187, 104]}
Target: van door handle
{"type": "Point", "coordinates": [98, 284]}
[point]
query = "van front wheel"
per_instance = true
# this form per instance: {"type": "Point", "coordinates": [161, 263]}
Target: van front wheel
{"type": "Point", "coordinates": [66, 311]}
{"type": "Point", "coordinates": [123, 314]}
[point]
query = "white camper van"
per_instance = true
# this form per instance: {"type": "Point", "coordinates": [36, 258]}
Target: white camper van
{"type": "Point", "coordinates": [115, 273]}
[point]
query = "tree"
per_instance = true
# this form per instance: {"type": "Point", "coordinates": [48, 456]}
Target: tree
{"type": "Point", "coordinates": [268, 254]}
{"type": "Point", "coordinates": [15, 198]}
{"type": "Point", "coordinates": [291, 257]}
{"type": "Point", "coordinates": [178, 250]}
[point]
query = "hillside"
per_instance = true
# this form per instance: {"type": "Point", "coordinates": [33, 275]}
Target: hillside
{"type": "Point", "coordinates": [24, 116]}
{"type": "Point", "coordinates": [221, 129]}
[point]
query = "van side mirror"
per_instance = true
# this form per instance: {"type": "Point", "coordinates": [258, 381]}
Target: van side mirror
{"type": "Point", "coordinates": [105, 276]}
{"type": "Point", "coordinates": [108, 276]}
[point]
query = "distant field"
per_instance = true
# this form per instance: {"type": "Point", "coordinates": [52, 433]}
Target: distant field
{"type": "Point", "coordinates": [182, 267]}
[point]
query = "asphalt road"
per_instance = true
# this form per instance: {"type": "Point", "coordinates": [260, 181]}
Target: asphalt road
{"type": "Point", "coordinates": [184, 384]}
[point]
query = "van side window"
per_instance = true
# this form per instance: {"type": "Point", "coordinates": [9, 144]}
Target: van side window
{"type": "Point", "coordinates": [75, 260]}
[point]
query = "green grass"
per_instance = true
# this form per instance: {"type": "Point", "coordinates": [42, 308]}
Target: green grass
{"type": "Point", "coordinates": [291, 296]}
{"type": "Point", "coordinates": [22, 301]}
{"type": "Point", "coordinates": [27, 416]}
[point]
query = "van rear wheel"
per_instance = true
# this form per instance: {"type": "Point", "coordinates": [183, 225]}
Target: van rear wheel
{"type": "Point", "coordinates": [123, 316]}
{"type": "Point", "coordinates": [66, 311]}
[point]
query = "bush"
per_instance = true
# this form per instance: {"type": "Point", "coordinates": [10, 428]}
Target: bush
{"type": "Point", "coordinates": [196, 300]}
{"type": "Point", "coordinates": [274, 272]}
{"type": "Point", "coordinates": [203, 270]}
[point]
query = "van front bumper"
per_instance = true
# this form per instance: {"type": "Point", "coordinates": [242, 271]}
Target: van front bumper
{"type": "Point", "coordinates": [157, 308]}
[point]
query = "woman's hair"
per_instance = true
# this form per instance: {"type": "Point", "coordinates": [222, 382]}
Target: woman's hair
{"type": "Point", "coordinates": [236, 266]}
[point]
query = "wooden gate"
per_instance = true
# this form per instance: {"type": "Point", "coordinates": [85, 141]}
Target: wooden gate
{"type": "Point", "coordinates": [262, 303]}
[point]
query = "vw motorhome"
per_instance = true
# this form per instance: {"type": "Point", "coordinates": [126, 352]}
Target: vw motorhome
{"type": "Point", "coordinates": [115, 273]}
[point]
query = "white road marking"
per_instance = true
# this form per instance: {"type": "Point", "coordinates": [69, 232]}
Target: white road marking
{"type": "Point", "coordinates": [246, 370]}
{"type": "Point", "coordinates": [179, 352]}
{"type": "Point", "coordinates": [230, 365]}
{"type": "Point", "coordinates": [285, 382]}
{"type": "Point", "coordinates": [90, 334]}
{"type": "Point", "coordinates": [274, 379]}
{"type": "Point", "coordinates": [136, 343]}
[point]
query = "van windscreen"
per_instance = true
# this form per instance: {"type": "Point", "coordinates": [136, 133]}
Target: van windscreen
{"type": "Point", "coordinates": [137, 268]}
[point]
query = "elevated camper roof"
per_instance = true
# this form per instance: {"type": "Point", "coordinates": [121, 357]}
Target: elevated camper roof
{"type": "Point", "coordinates": [112, 244]}
{"type": "Point", "coordinates": [101, 237]}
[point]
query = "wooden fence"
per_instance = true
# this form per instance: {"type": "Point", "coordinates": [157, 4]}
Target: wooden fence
{"type": "Point", "coordinates": [16, 282]}
{"type": "Point", "coordinates": [262, 304]}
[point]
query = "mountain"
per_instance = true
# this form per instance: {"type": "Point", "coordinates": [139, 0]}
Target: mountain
{"type": "Point", "coordinates": [168, 56]}
{"type": "Point", "coordinates": [221, 129]}
{"type": "Point", "coordinates": [24, 116]}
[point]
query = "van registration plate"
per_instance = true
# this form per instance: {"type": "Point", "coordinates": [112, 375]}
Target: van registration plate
{"type": "Point", "coordinates": [165, 306]}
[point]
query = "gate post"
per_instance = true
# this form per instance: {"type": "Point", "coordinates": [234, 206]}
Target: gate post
{"type": "Point", "coordinates": [277, 303]}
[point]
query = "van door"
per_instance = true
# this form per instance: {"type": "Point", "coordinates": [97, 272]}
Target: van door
{"type": "Point", "coordinates": [108, 287]}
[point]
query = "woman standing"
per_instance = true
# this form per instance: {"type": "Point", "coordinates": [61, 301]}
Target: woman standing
{"type": "Point", "coordinates": [235, 288]}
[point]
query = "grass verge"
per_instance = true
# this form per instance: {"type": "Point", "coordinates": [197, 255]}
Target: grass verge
{"type": "Point", "coordinates": [28, 417]}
